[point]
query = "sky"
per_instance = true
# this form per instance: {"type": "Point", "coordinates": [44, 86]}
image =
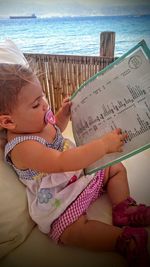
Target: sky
{"type": "Point", "coordinates": [46, 8]}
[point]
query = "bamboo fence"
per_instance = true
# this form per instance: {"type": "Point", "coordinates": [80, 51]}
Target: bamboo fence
{"type": "Point", "coordinates": [61, 75]}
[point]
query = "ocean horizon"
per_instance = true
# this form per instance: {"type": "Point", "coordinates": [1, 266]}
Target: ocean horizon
{"type": "Point", "coordinates": [75, 35]}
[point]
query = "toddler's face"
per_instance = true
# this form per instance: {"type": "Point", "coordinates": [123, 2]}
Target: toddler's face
{"type": "Point", "coordinates": [29, 113]}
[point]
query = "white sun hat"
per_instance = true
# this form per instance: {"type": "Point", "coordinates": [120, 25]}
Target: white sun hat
{"type": "Point", "coordinates": [10, 54]}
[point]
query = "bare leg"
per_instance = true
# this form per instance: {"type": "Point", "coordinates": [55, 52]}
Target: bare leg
{"type": "Point", "coordinates": [92, 235]}
{"type": "Point", "coordinates": [117, 183]}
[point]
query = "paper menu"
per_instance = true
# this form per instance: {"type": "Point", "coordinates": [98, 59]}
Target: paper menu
{"type": "Point", "coordinates": [117, 96]}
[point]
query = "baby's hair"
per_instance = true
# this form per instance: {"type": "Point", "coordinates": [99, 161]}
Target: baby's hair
{"type": "Point", "coordinates": [12, 78]}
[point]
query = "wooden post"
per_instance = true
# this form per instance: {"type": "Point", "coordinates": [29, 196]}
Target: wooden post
{"type": "Point", "coordinates": [107, 44]}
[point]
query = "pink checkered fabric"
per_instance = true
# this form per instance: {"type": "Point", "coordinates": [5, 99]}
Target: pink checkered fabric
{"type": "Point", "coordinates": [78, 207]}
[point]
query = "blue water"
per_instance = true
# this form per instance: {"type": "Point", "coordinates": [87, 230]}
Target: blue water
{"type": "Point", "coordinates": [76, 35]}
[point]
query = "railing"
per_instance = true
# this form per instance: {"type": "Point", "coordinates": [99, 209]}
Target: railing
{"type": "Point", "coordinates": [61, 75]}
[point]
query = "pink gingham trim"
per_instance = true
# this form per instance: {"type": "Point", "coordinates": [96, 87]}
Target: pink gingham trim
{"type": "Point", "coordinates": [78, 207]}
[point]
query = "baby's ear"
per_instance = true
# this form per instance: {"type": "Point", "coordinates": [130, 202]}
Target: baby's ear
{"type": "Point", "coordinates": [6, 122]}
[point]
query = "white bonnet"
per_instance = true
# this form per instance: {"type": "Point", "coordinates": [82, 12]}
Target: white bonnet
{"type": "Point", "coordinates": [10, 54]}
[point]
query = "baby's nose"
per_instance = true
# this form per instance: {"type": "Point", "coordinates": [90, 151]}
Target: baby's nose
{"type": "Point", "coordinates": [45, 105]}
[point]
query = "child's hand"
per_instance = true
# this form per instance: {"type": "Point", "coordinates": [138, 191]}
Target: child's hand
{"type": "Point", "coordinates": [114, 141]}
{"type": "Point", "coordinates": [66, 107]}
{"type": "Point", "coordinates": [63, 115]}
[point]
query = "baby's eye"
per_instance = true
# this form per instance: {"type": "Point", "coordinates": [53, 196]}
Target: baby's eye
{"type": "Point", "coordinates": [36, 106]}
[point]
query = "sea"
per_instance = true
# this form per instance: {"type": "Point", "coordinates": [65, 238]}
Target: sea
{"type": "Point", "coordinates": [75, 35]}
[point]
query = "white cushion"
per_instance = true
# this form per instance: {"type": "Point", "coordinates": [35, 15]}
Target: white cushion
{"type": "Point", "coordinates": [15, 223]}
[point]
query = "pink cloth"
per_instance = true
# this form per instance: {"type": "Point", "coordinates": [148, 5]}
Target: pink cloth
{"type": "Point", "coordinates": [78, 207]}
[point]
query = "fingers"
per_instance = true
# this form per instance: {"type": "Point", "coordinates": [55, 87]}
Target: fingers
{"type": "Point", "coordinates": [125, 135]}
{"type": "Point", "coordinates": [66, 99]}
{"type": "Point", "coordinates": [66, 102]}
{"type": "Point", "coordinates": [118, 131]}
{"type": "Point", "coordinates": [122, 135]}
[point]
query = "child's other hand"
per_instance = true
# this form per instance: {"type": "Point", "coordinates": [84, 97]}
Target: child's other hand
{"type": "Point", "coordinates": [64, 114]}
{"type": "Point", "coordinates": [66, 106]}
{"type": "Point", "coordinates": [114, 141]}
